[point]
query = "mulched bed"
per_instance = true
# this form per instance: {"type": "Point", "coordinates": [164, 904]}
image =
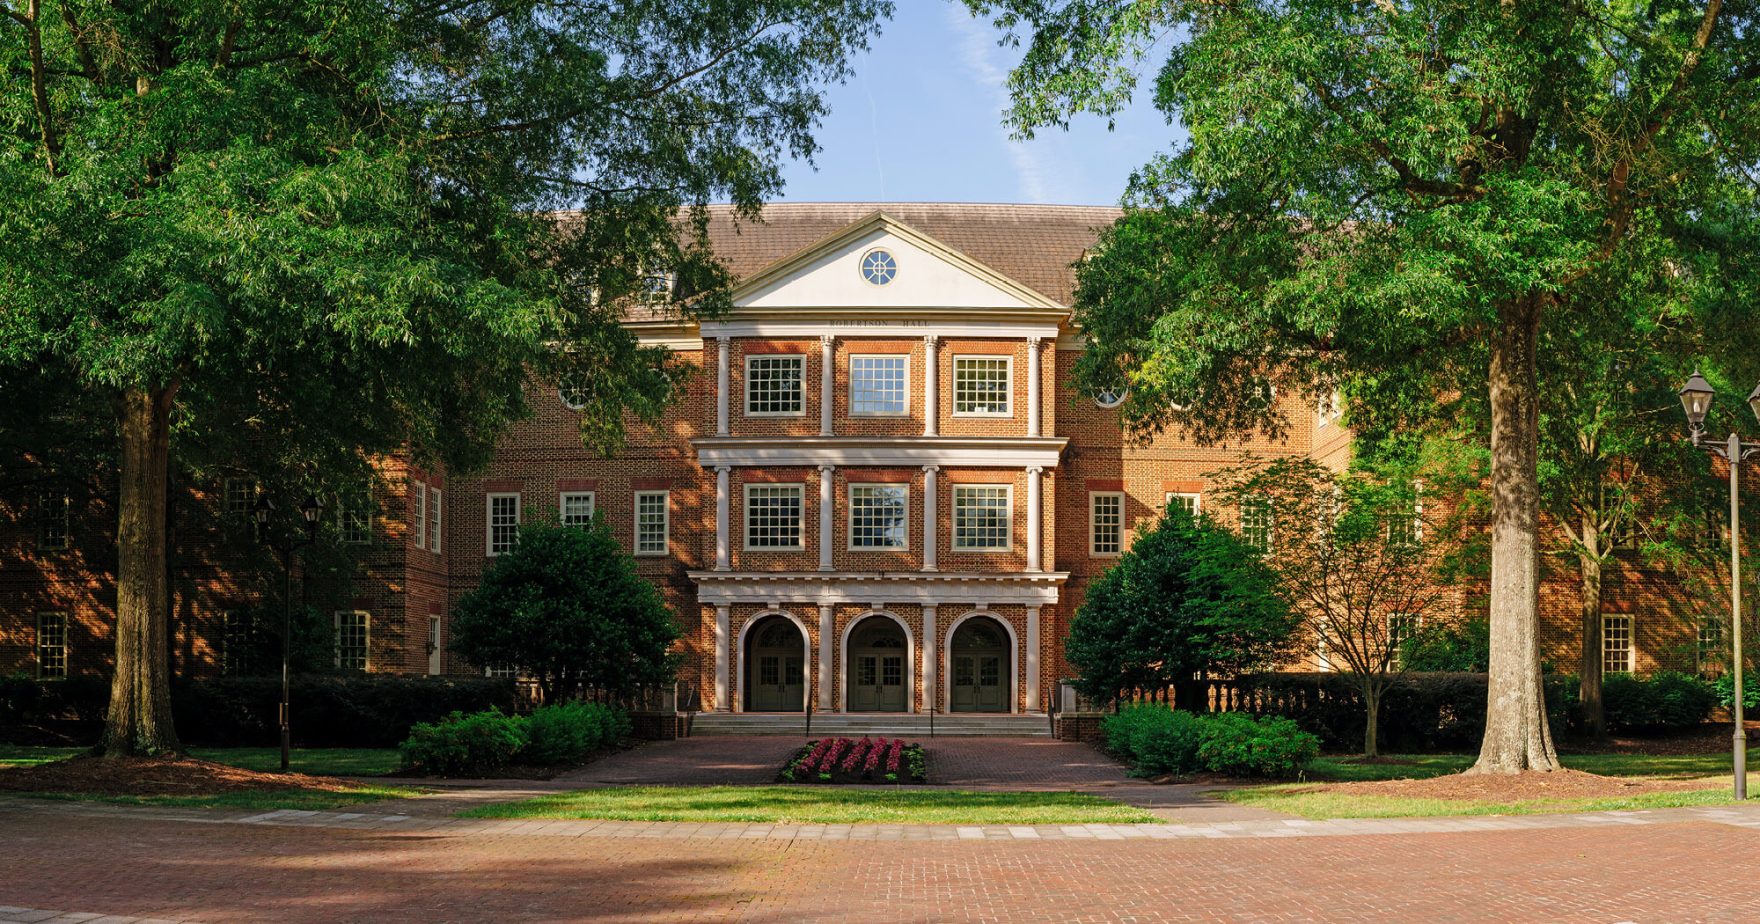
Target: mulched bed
{"type": "Point", "coordinates": [145, 776]}
{"type": "Point", "coordinates": [851, 760]}
{"type": "Point", "coordinates": [1710, 738]}
{"type": "Point", "coordinates": [1520, 787]}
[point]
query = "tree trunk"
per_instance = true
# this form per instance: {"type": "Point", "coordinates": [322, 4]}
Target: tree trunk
{"type": "Point", "coordinates": [1516, 734]}
{"type": "Point", "coordinates": [1594, 713]}
{"type": "Point", "coordinates": [1372, 720]}
{"type": "Point", "coordinates": [139, 722]}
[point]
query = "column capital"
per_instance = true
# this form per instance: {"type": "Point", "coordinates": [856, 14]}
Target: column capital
{"type": "Point", "coordinates": [931, 339]}
{"type": "Point", "coordinates": [1034, 340]}
{"type": "Point", "coordinates": [931, 468]}
{"type": "Point", "coordinates": [826, 469]}
{"type": "Point", "coordinates": [723, 469]}
{"type": "Point", "coordinates": [724, 339]}
{"type": "Point", "coordinates": [1035, 469]}
{"type": "Point", "coordinates": [827, 339]}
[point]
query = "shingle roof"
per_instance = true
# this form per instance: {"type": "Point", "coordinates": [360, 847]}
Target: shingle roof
{"type": "Point", "coordinates": [1034, 245]}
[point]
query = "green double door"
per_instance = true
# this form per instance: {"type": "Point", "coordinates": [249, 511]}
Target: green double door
{"type": "Point", "coordinates": [875, 680]}
{"type": "Point", "coordinates": [775, 661]}
{"type": "Point", "coordinates": [978, 659]}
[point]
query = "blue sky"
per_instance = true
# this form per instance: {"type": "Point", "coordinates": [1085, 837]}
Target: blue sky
{"type": "Point", "coordinates": [921, 120]}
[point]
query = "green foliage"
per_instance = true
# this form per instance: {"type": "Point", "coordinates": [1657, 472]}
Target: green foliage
{"type": "Point", "coordinates": [567, 733]}
{"type": "Point", "coordinates": [464, 745]}
{"type": "Point", "coordinates": [1725, 687]}
{"type": "Point", "coordinates": [1264, 746]}
{"type": "Point", "coordinates": [567, 606]}
{"type": "Point", "coordinates": [26, 702]}
{"type": "Point", "coordinates": [1156, 740]}
{"type": "Point", "coordinates": [362, 711]}
{"type": "Point", "coordinates": [1419, 712]}
{"type": "Point", "coordinates": [1663, 701]}
{"type": "Point", "coordinates": [1188, 597]}
{"type": "Point", "coordinates": [1463, 647]}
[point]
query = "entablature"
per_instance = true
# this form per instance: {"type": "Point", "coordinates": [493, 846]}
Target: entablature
{"type": "Point", "coordinates": [892, 451]}
{"type": "Point", "coordinates": [879, 588]}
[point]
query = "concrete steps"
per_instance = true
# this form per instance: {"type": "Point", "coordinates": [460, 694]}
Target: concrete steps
{"type": "Point", "coordinates": [856, 725]}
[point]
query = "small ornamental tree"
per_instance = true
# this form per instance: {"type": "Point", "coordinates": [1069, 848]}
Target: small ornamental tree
{"type": "Point", "coordinates": [567, 606]}
{"type": "Point", "coordinates": [1189, 600]}
{"type": "Point", "coordinates": [1356, 555]}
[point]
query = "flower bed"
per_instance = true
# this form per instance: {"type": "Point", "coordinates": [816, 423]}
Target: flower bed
{"type": "Point", "coordinates": [857, 760]}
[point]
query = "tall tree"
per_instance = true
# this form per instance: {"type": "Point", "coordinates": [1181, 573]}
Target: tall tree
{"type": "Point", "coordinates": [337, 215]}
{"type": "Point", "coordinates": [1400, 195]}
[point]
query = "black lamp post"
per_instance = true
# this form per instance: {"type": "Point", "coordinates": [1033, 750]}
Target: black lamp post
{"type": "Point", "coordinates": [312, 510]}
{"type": "Point", "coordinates": [1696, 398]}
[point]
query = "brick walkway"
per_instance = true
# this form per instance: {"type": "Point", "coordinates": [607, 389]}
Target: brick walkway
{"type": "Point", "coordinates": [1668, 867]}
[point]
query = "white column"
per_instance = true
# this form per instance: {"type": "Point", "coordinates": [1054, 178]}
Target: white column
{"type": "Point", "coordinates": [930, 528]}
{"type": "Point", "coordinates": [929, 681]}
{"type": "Point", "coordinates": [723, 382]}
{"type": "Point", "coordinates": [825, 649]}
{"type": "Point", "coordinates": [1034, 541]}
{"type": "Point", "coordinates": [825, 527]}
{"type": "Point", "coordinates": [723, 614]}
{"type": "Point", "coordinates": [723, 543]}
{"type": "Point", "coordinates": [827, 381]}
{"type": "Point", "coordinates": [1033, 385]}
{"type": "Point", "coordinates": [1033, 704]}
{"type": "Point", "coordinates": [931, 393]}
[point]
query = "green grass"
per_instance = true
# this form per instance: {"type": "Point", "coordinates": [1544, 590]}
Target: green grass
{"type": "Point", "coordinates": [1423, 766]}
{"type": "Point", "coordinates": [819, 805]}
{"type": "Point", "coordinates": [315, 761]}
{"type": "Point", "coordinates": [1290, 800]}
{"type": "Point", "coordinates": [261, 801]}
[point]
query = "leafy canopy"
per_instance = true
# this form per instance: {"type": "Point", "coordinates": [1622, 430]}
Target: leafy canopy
{"type": "Point", "coordinates": [567, 606]}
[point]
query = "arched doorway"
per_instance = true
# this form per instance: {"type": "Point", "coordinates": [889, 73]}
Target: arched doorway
{"type": "Point", "coordinates": [981, 667]}
{"type": "Point", "coordinates": [775, 676]}
{"type": "Point", "coordinates": [876, 669]}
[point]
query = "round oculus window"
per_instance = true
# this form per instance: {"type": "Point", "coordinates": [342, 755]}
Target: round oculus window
{"type": "Point", "coordinates": [878, 267]}
{"type": "Point", "coordinates": [572, 393]}
{"type": "Point", "coordinates": [1111, 397]}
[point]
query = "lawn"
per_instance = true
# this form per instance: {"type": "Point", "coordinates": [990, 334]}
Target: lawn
{"type": "Point", "coordinates": [819, 805]}
{"type": "Point", "coordinates": [255, 801]}
{"type": "Point", "coordinates": [1420, 766]}
{"type": "Point", "coordinates": [315, 761]}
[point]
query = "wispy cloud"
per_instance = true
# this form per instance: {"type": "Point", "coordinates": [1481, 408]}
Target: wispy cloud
{"type": "Point", "coordinates": [980, 55]}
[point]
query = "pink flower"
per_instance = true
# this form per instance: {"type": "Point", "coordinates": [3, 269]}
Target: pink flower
{"type": "Point", "coordinates": [854, 760]}
{"type": "Point", "coordinates": [894, 754]}
{"type": "Point", "coordinates": [830, 762]}
{"type": "Point", "coordinates": [874, 754]}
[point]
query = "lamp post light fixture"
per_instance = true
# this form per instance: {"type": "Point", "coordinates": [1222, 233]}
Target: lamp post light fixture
{"type": "Point", "coordinates": [311, 510]}
{"type": "Point", "coordinates": [1696, 398]}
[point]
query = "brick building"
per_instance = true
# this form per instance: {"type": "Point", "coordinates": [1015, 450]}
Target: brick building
{"type": "Point", "coordinates": [880, 492]}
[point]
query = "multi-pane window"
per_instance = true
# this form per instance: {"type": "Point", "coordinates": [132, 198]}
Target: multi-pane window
{"type": "Point", "coordinates": [51, 646]}
{"type": "Point", "coordinates": [576, 508]}
{"type": "Point", "coordinates": [1400, 628]}
{"type": "Point", "coordinates": [981, 385]}
{"type": "Point", "coordinates": [773, 516]}
{"type": "Point", "coordinates": [1331, 408]}
{"type": "Point", "coordinates": [54, 521]}
{"type": "Point", "coordinates": [1105, 523]}
{"type": "Point", "coordinates": [501, 672]}
{"type": "Point", "coordinates": [503, 523]}
{"type": "Point", "coordinates": [879, 516]}
{"type": "Point", "coordinates": [879, 386]}
{"type": "Point", "coordinates": [774, 385]}
{"type": "Point", "coordinates": [354, 517]}
{"type": "Point", "coordinates": [434, 519]}
{"type": "Point", "coordinates": [1712, 642]}
{"type": "Point", "coordinates": [1256, 522]}
{"type": "Point", "coordinates": [1616, 644]}
{"type": "Point", "coordinates": [651, 522]}
{"type": "Point", "coordinates": [351, 641]}
{"type": "Point", "coordinates": [1404, 524]}
{"type": "Point", "coordinates": [1187, 502]}
{"type": "Point", "coordinates": [235, 640]}
{"type": "Point", "coordinates": [982, 517]}
{"type": "Point", "coordinates": [421, 517]}
{"type": "Point", "coordinates": [237, 495]}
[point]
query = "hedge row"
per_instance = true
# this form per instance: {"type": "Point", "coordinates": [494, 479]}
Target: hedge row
{"type": "Point", "coordinates": [328, 710]}
{"type": "Point", "coordinates": [1419, 712]}
{"type": "Point", "coordinates": [1156, 740]}
{"type": "Point", "coordinates": [480, 743]}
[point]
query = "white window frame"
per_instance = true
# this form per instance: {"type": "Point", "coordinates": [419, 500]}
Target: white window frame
{"type": "Point", "coordinates": [230, 620]}
{"type": "Point", "coordinates": [366, 639]}
{"type": "Point", "coordinates": [905, 409]}
{"type": "Point", "coordinates": [1396, 639]}
{"type": "Point", "coordinates": [1094, 550]}
{"type": "Point", "coordinates": [489, 521]}
{"type": "Point", "coordinates": [953, 511]}
{"type": "Point", "coordinates": [345, 530]}
{"type": "Point", "coordinates": [1630, 635]}
{"type": "Point", "coordinates": [850, 516]}
{"type": "Point", "coordinates": [1328, 409]}
{"type": "Point", "coordinates": [54, 542]}
{"type": "Point", "coordinates": [562, 499]}
{"type": "Point", "coordinates": [799, 360]}
{"type": "Point", "coordinates": [1259, 500]}
{"type": "Point", "coordinates": [242, 508]}
{"type": "Point", "coordinates": [1196, 499]}
{"type": "Point", "coordinates": [38, 647]}
{"type": "Point", "coordinates": [665, 524]}
{"type": "Point", "coordinates": [421, 515]}
{"type": "Point", "coordinates": [746, 517]}
{"type": "Point", "coordinates": [1008, 394]}
{"type": "Point", "coordinates": [434, 509]}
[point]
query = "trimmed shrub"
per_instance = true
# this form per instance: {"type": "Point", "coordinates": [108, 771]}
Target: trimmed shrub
{"type": "Point", "coordinates": [25, 700]}
{"type": "Point", "coordinates": [328, 711]}
{"type": "Point", "coordinates": [1419, 712]}
{"type": "Point", "coordinates": [1154, 739]}
{"type": "Point", "coordinates": [570, 732]}
{"type": "Point", "coordinates": [1242, 745]}
{"type": "Point", "coordinates": [465, 745]}
{"type": "Point", "coordinates": [1663, 701]}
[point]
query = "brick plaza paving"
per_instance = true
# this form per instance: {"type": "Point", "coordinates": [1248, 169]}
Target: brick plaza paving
{"type": "Point", "coordinates": [1670, 865]}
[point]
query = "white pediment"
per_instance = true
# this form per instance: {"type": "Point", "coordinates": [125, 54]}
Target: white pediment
{"type": "Point", "coordinates": [928, 275]}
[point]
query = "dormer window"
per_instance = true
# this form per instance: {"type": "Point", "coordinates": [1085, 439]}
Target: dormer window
{"type": "Point", "coordinates": [657, 287]}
